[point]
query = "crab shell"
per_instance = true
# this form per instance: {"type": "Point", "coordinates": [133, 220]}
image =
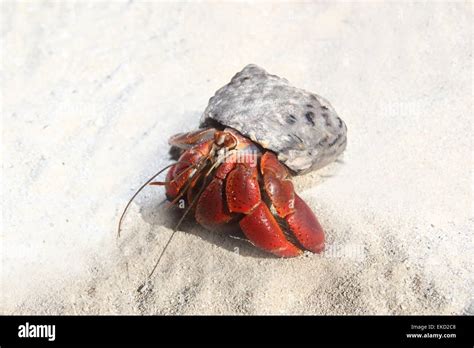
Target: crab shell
{"type": "Point", "coordinates": [302, 128]}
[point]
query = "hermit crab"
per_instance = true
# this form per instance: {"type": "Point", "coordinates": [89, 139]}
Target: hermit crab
{"type": "Point", "coordinates": [235, 171]}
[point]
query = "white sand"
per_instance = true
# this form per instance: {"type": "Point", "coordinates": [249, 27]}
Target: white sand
{"type": "Point", "coordinates": [91, 92]}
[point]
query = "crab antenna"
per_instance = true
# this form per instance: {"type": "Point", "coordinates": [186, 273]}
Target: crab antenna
{"type": "Point", "coordinates": [138, 191]}
{"type": "Point", "coordinates": [203, 186]}
{"type": "Point", "coordinates": [172, 234]}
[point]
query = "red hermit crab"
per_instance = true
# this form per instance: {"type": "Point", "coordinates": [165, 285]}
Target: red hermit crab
{"type": "Point", "coordinates": [236, 170]}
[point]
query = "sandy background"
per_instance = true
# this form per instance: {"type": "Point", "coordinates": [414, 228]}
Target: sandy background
{"type": "Point", "coordinates": [92, 91]}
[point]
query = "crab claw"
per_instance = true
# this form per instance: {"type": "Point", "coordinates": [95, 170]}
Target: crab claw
{"type": "Point", "coordinates": [258, 224]}
{"type": "Point", "coordinates": [300, 218]}
{"type": "Point", "coordinates": [305, 226]}
{"type": "Point", "coordinates": [261, 228]}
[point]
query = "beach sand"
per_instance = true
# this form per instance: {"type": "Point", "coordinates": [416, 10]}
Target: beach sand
{"type": "Point", "coordinates": [92, 91]}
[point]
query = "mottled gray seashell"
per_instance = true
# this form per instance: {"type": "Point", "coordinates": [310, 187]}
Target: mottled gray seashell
{"type": "Point", "coordinates": [301, 127]}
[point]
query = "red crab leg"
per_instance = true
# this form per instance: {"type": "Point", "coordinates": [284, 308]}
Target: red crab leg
{"type": "Point", "coordinates": [259, 225]}
{"type": "Point", "coordinates": [187, 140]}
{"type": "Point", "coordinates": [300, 218]}
{"type": "Point", "coordinates": [211, 210]}
{"type": "Point", "coordinates": [176, 180]}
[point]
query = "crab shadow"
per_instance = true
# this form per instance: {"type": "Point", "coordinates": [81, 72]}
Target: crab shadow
{"type": "Point", "coordinates": [157, 214]}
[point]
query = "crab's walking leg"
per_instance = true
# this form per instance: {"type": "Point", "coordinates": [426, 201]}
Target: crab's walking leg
{"type": "Point", "coordinates": [211, 209]}
{"type": "Point", "coordinates": [180, 174]}
{"type": "Point", "coordinates": [188, 140]}
{"type": "Point", "coordinates": [258, 224]}
{"type": "Point", "coordinates": [300, 218]}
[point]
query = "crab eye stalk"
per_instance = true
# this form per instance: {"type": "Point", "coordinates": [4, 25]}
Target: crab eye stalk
{"type": "Point", "coordinates": [225, 139]}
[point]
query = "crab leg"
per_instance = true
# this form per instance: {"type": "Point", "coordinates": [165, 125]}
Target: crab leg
{"type": "Point", "coordinates": [176, 179]}
{"type": "Point", "coordinates": [211, 209]}
{"type": "Point", "coordinates": [259, 225]}
{"type": "Point", "coordinates": [300, 218]}
{"type": "Point", "coordinates": [188, 140]}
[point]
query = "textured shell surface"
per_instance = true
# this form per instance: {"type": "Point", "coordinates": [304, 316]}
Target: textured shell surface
{"type": "Point", "coordinates": [302, 128]}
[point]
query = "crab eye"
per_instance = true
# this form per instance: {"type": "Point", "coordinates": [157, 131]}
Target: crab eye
{"type": "Point", "coordinates": [230, 141]}
{"type": "Point", "coordinates": [220, 138]}
{"type": "Point", "coordinates": [225, 139]}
